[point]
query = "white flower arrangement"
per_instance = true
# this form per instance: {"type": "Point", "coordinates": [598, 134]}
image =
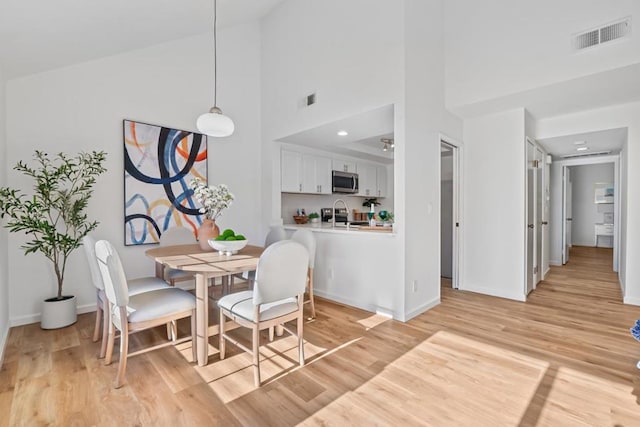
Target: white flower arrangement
{"type": "Point", "coordinates": [214, 199]}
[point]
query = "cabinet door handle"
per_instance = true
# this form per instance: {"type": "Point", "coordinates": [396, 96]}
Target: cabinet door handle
{"type": "Point", "coordinates": [300, 187]}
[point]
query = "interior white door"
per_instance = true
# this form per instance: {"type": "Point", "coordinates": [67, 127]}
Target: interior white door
{"type": "Point", "coordinates": [450, 212]}
{"type": "Point", "coordinates": [531, 217]}
{"type": "Point", "coordinates": [539, 214]}
{"type": "Point", "coordinates": [566, 213]}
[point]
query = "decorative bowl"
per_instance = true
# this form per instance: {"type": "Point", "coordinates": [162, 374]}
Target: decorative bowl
{"type": "Point", "coordinates": [228, 246]}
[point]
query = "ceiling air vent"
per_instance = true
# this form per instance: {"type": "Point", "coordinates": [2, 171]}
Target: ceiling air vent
{"type": "Point", "coordinates": [613, 31]}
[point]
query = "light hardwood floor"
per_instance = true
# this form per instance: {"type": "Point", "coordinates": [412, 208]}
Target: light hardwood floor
{"type": "Point", "coordinates": [563, 358]}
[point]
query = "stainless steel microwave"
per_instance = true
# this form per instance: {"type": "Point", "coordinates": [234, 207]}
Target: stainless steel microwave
{"type": "Point", "coordinates": [344, 182]}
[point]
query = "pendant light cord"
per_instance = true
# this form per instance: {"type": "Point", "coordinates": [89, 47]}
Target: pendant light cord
{"type": "Point", "coordinates": [215, 54]}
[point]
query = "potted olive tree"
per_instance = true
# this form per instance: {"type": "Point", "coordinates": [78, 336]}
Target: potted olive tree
{"type": "Point", "coordinates": [54, 217]}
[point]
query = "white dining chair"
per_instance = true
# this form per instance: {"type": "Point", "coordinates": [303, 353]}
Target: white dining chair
{"type": "Point", "coordinates": [275, 234]}
{"type": "Point", "coordinates": [308, 240]}
{"type": "Point", "coordinates": [135, 287]}
{"type": "Point", "coordinates": [177, 236]}
{"type": "Point", "coordinates": [138, 312]}
{"type": "Point", "coordinates": [277, 297]}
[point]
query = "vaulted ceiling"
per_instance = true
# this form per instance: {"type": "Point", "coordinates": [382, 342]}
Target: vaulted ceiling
{"type": "Point", "coordinates": [39, 35]}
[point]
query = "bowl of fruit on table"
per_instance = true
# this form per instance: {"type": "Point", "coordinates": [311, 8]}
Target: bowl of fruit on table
{"type": "Point", "coordinates": [228, 242]}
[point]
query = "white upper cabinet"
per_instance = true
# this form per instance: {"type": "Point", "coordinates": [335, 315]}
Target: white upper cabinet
{"type": "Point", "coordinates": [381, 181]}
{"type": "Point", "coordinates": [367, 180]}
{"type": "Point", "coordinates": [344, 165]}
{"type": "Point", "coordinates": [291, 172]}
{"type": "Point", "coordinates": [305, 173]}
{"type": "Point", "coordinates": [316, 174]}
{"type": "Point", "coordinates": [372, 180]}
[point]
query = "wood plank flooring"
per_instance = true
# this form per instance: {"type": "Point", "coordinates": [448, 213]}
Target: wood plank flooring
{"type": "Point", "coordinates": [563, 358]}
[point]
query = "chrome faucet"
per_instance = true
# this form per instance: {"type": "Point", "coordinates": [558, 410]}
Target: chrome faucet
{"type": "Point", "coordinates": [334, 211]}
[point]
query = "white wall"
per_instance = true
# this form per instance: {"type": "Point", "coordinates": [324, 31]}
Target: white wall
{"type": "Point", "coordinates": [312, 46]}
{"type": "Point", "coordinates": [503, 47]}
{"type": "Point", "coordinates": [425, 120]}
{"type": "Point", "coordinates": [82, 107]}
{"type": "Point", "coordinates": [585, 212]}
{"type": "Point", "coordinates": [618, 116]}
{"type": "Point", "coordinates": [494, 205]}
{"type": "Point", "coordinates": [4, 284]}
{"type": "Point", "coordinates": [376, 53]}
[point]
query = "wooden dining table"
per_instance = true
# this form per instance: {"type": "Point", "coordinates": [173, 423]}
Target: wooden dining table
{"type": "Point", "coordinates": [204, 265]}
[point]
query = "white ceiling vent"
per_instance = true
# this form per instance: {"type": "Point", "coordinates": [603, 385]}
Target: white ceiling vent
{"type": "Point", "coordinates": [613, 31]}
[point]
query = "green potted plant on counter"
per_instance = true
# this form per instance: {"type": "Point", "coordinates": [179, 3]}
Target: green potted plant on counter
{"type": "Point", "coordinates": [54, 218]}
{"type": "Point", "coordinates": [314, 217]}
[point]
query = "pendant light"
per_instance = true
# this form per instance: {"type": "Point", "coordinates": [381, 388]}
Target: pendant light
{"type": "Point", "coordinates": [214, 123]}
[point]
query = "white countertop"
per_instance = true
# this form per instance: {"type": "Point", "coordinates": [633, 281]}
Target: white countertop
{"type": "Point", "coordinates": [324, 227]}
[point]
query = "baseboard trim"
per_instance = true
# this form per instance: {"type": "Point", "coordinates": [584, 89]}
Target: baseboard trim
{"type": "Point", "coordinates": [367, 307]}
{"type": "Point", "coordinates": [35, 317]}
{"type": "Point", "coordinates": [555, 262]}
{"type": "Point", "coordinates": [495, 293]}
{"type": "Point", "coordinates": [421, 309]}
{"type": "Point", "coordinates": [631, 300]}
{"type": "Point", "coordinates": [4, 336]}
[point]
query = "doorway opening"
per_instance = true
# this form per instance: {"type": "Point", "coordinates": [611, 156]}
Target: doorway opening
{"type": "Point", "coordinates": [590, 206]}
{"type": "Point", "coordinates": [450, 207]}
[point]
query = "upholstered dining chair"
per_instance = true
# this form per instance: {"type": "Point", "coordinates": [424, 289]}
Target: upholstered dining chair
{"type": "Point", "coordinates": [177, 236]}
{"type": "Point", "coordinates": [308, 240]}
{"type": "Point", "coordinates": [135, 287]}
{"type": "Point", "coordinates": [277, 297]}
{"type": "Point", "coordinates": [138, 312]}
{"type": "Point", "coordinates": [275, 234]}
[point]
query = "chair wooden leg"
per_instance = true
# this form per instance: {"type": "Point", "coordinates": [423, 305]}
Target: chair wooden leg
{"type": "Point", "coordinates": [193, 336]}
{"type": "Point", "coordinates": [300, 339]}
{"type": "Point", "coordinates": [271, 331]}
{"type": "Point", "coordinates": [174, 330]}
{"type": "Point", "coordinates": [256, 355]}
{"type": "Point", "coordinates": [96, 329]}
{"type": "Point", "coordinates": [106, 323]}
{"type": "Point", "coordinates": [313, 304]}
{"type": "Point", "coordinates": [222, 345]}
{"type": "Point", "coordinates": [109, 349]}
{"type": "Point", "coordinates": [279, 330]}
{"type": "Point", "coordinates": [169, 331]}
{"type": "Point", "coordinates": [124, 350]}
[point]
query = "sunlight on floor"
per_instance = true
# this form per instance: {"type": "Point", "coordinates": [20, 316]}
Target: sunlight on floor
{"type": "Point", "coordinates": [232, 377]}
{"type": "Point", "coordinates": [609, 403]}
{"type": "Point", "coordinates": [447, 377]}
{"type": "Point", "coordinates": [373, 321]}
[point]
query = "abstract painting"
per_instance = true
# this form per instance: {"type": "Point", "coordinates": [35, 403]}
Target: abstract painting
{"type": "Point", "coordinates": [159, 163]}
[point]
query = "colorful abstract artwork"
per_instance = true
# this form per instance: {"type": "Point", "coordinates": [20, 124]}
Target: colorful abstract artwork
{"type": "Point", "coordinates": [159, 163]}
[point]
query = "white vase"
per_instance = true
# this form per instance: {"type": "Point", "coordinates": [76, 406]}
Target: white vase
{"type": "Point", "coordinates": [58, 313]}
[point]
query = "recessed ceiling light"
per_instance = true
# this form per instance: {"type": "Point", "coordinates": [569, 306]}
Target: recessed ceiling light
{"type": "Point", "coordinates": [343, 133]}
{"type": "Point", "coordinates": [579, 143]}
{"type": "Point", "coordinates": [582, 148]}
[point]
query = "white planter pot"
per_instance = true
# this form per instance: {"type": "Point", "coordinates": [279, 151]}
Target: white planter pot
{"type": "Point", "coordinates": [58, 313]}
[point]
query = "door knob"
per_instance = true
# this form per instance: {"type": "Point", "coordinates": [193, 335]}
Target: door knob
{"type": "Point", "coordinates": [530, 225]}
{"type": "Point", "coordinates": [545, 223]}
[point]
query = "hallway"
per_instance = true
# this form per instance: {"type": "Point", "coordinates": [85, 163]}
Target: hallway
{"type": "Point", "coordinates": [576, 322]}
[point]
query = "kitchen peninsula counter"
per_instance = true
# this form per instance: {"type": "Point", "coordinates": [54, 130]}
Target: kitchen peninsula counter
{"type": "Point", "coordinates": [360, 268]}
{"type": "Point", "coordinates": [341, 229]}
